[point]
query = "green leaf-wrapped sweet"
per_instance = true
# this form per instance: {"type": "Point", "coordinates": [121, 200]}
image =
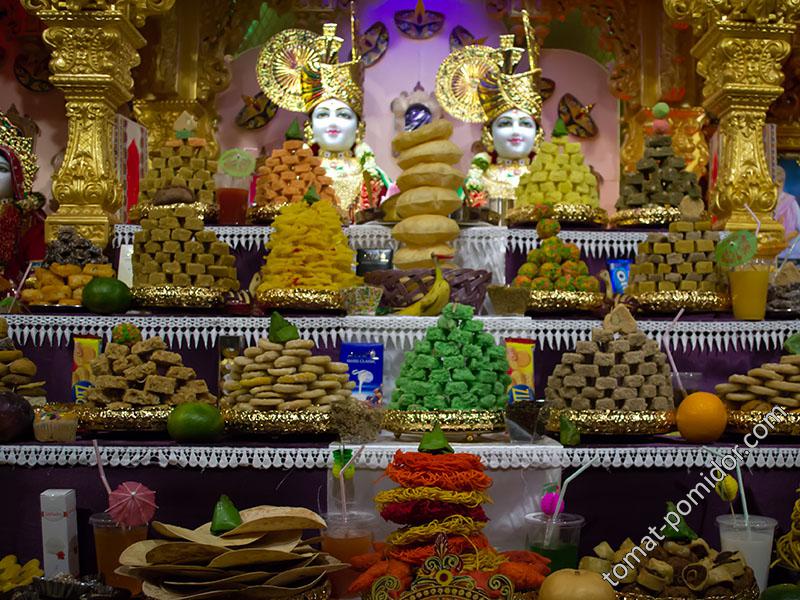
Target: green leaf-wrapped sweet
{"type": "Point", "coordinates": [434, 442]}
{"type": "Point", "coordinates": [568, 433]}
{"type": "Point", "coordinates": [226, 517]}
{"type": "Point", "coordinates": [281, 330]}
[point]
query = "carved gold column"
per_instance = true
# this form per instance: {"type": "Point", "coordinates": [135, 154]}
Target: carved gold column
{"type": "Point", "coordinates": [94, 48]}
{"type": "Point", "coordinates": [740, 55]}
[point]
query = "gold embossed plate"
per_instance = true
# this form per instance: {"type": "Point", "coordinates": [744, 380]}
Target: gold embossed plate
{"type": "Point", "coordinates": [277, 422]}
{"type": "Point", "coordinates": [614, 422]}
{"type": "Point", "coordinates": [173, 296]}
{"type": "Point", "coordinates": [742, 421]}
{"type": "Point", "coordinates": [466, 423]}
{"type": "Point", "coordinates": [645, 216]}
{"type": "Point", "coordinates": [208, 212]}
{"type": "Point", "coordinates": [749, 594]}
{"type": "Point", "coordinates": [562, 300]}
{"type": "Point", "coordinates": [300, 299]}
{"type": "Point", "coordinates": [140, 419]}
{"type": "Point", "coordinates": [668, 302]}
{"type": "Point", "coordinates": [576, 214]}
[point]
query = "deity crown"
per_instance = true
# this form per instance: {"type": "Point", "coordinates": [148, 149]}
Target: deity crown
{"type": "Point", "coordinates": [22, 147]}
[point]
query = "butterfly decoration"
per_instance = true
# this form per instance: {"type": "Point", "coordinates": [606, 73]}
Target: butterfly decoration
{"type": "Point", "coordinates": [372, 44]}
{"type": "Point", "coordinates": [576, 116]}
{"type": "Point", "coordinates": [546, 88]}
{"type": "Point", "coordinates": [419, 24]}
{"type": "Point", "coordinates": [460, 37]}
{"type": "Point", "coordinates": [256, 112]}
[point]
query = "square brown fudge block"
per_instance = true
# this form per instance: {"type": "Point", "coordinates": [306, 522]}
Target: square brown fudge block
{"type": "Point", "coordinates": [181, 373]}
{"type": "Point", "coordinates": [159, 385]}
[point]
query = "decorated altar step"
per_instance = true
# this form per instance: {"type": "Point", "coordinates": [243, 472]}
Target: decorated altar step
{"type": "Point", "coordinates": [546, 454]}
{"type": "Point", "coordinates": [398, 333]}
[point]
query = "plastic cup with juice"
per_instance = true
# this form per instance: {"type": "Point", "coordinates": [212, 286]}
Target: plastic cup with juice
{"type": "Point", "coordinates": [749, 285]}
{"type": "Point", "coordinates": [232, 197]}
{"type": "Point", "coordinates": [753, 540]}
{"type": "Point", "coordinates": [346, 536]}
{"type": "Point", "coordinates": [110, 540]}
{"type": "Point", "coordinates": [562, 545]}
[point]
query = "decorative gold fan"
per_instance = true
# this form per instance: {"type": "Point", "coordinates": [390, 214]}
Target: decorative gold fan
{"type": "Point", "coordinates": [280, 63]}
{"type": "Point", "coordinates": [457, 82]}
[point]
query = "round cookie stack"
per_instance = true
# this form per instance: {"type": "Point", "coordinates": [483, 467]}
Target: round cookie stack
{"type": "Point", "coordinates": [285, 376]}
{"type": "Point", "coordinates": [428, 196]}
{"type": "Point", "coordinates": [771, 384]}
{"type": "Point", "coordinates": [17, 372]}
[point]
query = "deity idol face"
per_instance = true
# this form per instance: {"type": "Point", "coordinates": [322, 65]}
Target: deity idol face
{"type": "Point", "coordinates": [6, 180]}
{"type": "Point", "coordinates": [334, 125]}
{"type": "Point", "coordinates": [514, 133]}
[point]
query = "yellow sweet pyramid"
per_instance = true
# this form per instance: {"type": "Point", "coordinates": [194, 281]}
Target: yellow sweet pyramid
{"type": "Point", "coordinates": [308, 249]}
{"type": "Point", "coordinates": [558, 175]}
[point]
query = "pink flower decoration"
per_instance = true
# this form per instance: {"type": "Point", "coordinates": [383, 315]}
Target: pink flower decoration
{"type": "Point", "coordinates": [549, 501]}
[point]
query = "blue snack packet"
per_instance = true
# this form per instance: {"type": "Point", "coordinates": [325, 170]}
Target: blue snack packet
{"type": "Point", "coordinates": [619, 270]}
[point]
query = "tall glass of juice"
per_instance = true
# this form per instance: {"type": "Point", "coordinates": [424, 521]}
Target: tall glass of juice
{"type": "Point", "coordinates": [232, 198]}
{"type": "Point", "coordinates": [749, 285]}
{"type": "Point", "coordinates": [752, 538]}
{"type": "Point", "coordinates": [557, 541]}
{"type": "Point", "coordinates": [110, 540]}
{"type": "Point", "coordinates": [347, 535]}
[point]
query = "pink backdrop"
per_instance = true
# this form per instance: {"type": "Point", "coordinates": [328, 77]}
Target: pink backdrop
{"type": "Point", "coordinates": [408, 61]}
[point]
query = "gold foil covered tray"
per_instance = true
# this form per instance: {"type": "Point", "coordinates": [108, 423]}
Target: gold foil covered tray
{"type": "Point", "coordinates": [695, 301]}
{"type": "Point", "coordinates": [462, 422]}
{"type": "Point", "coordinates": [575, 214]}
{"type": "Point", "coordinates": [645, 216]}
{"type": "Point", "coordinates": [751, 593]}
{"type": "Point", "coordinates": [613, 422]}
{"type": "Point", "coordinates": [301, 298]}
{"type": "Point", "coordinates": [742, 421]}
{"type": "Point", "coordinates": [277, 421]}
{"type": "Point", "coordinates": [173, 296]}
{"type": "Point", "coordinates": [563, 300]}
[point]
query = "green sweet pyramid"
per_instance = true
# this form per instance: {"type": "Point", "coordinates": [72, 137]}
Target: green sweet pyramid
{"type": "Point", "coordinates": [457, 366]}
{"type": "Point", "coordinates": [558, 175]}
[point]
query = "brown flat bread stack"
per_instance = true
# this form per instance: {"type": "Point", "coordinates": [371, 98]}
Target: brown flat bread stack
{"type": "Point", "coordinates": [619, 368]}
{"type": "Point", "coordinates": [146, 374]}
{"type": "Point", "coordinates": [286, 376]}
{"type": "Point", "coordinates": [175, 249]}
{"type": "Point", "coordinates": [764, 387]}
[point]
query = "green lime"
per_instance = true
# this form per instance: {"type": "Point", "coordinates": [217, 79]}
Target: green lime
{"type": "Point", "coordinates": [237, 163]}
{"type": "Point", "coordinates": [784, 591]}
{"type": "Point", "coordinates": [106, 295]}
{"type": "Point", "coordinates": [195, 422]}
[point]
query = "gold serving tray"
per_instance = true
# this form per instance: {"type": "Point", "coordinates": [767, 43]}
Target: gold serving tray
{"type": "Point", "coordinates": [208, 212]}
{"type": "Point", "coordinates": [669, 302]}
{"type": "Point", "coordinates": [742, 421]}
{"type": "Point", "coordinates": [172, 296]}
{"type": "Point", "coordinates": [277, 421]}
{"type": "Point", "coordinates": [749, 594]}
{"type": "Point", "coordinates": [645, 216]}
{"type": "Point", "coordinates": [574, 214]}
{"type": "Point", "coordinates": [301, 298]}
{"type": "Point", "coordinates": [562, 300]}
{"type": "Point", "coordinates": [613, 422]}
{"type": "Point", "coordinates": [467, 423]}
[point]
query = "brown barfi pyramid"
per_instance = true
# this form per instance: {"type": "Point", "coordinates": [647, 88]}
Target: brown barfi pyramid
{"type": "Point", "coordinates": [287, 376]}
{"type": "Point", "coordinates": [180, 163]}
{"type": "Point", "coordinates": [290, 172]}
{"type": "Point", "coordinates": [145, 374]}
{"type": "Point", "coordinates": [175, 249]}
{"type": "Point", "coordinates": [17, 373]}
{"type": "Point", "coordinates": [619, 368]}
{"type": "Point", "coordinates": [660, 178]}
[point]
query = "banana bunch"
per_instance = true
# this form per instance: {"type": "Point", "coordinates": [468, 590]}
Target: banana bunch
{"type": "Point", "coordinates": [14, 575]}
{"type": "Point", "coordinates": [432, 303]}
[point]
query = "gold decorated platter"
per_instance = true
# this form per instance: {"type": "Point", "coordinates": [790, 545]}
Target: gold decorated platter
{"type": "Point", "coordinates": [173, 296]}
{"type": "Point", "coordinates": [322, 592]}
{"type": "Point", "coordinates": [285, 422]}
{"type": "Point", "coordinates": [464, 423]}
{"type": "Point", "coordinates": [741, 421]}
{"type": "Point", "coordinates": [300, 298]}
{"type": "Point", "coordinates": [646, 216]}
{"type": "Point", "coordinates": [265, 214]}
{"type": "Point", "coordinates": [613, 422]}
{"type": "Point", "coordinates": [695, 301]}
{"type": "Point", "coordinates": [141, 419]}
{"type": "Point", "coordinates": [563, 300]}
{"type": "Point", "coordinates": [208, 212]}
{"type": "Point", "coordinates": [752, 593]}
{"type": "Point", "coordinates": [572, 214]}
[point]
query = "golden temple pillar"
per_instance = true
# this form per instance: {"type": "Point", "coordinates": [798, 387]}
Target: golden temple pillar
{"type": "Point", "coordinates": [740, 54]}
{"type": "Point", "coordinates": [94, 48]}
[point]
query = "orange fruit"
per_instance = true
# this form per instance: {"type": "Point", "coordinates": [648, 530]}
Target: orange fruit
{"type": "Point", "coordinates": [702, 418]}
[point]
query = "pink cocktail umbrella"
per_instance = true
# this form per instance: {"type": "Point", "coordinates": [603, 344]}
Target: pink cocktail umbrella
{"type": "Point", "coordinates": [131, 504]}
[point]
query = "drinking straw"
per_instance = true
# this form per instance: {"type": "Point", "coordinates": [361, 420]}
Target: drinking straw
{"type": "Point", "coordinates": [789, 252]}
{"type": "Point", "coordinates": [755, 218]}
{"type": "Point", "coordinates": [742, 494]}
{"type": "Point", "coordinates": [548, 534]}
{"type": "Point", "coordinates": [100, 467]}
{"type": "Point", "coordinates": [18, 291]}
{"type": "Point", "coordinates": [342, 489]}
{"type": "Point", "coordinates": [669, 353]}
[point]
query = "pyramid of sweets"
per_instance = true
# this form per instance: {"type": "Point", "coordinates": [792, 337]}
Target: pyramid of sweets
{"type": "Point", "coordinates": [143, 373]}
{"type": "Point", "coordinates": [660, 178]}
{"type": "Point", "coordinates": [182, 170]}
{"type": "Point", "coordinates": [308, 249]}
{"type": "Point", "coordinates": [619, 368]}
{"type": "Point", "coordinates": [284, 373]}
{"type": "Point", "coordinates": [784, 290]}
{"type": "Point", "coordinates": [175, 249]}
{"type": "Point", "coordinates": [71, 261]}
{"type": "Point", "coordinates": [290, 171]}
{"type": "Point", "coordinates": [554, 265]}
{"type": "Point", "coordinates": [17, 373]}
{"type": "Point", "coordinates": [771, 384]}
{"type": "Point", "coordinates": [428, 195]}
{"type": "Point", "coordinates": [439, 500]}
{"type": "Point", "coordinates": [457, 366]}
{"type": "Point", "coordinates": [683, 260]}
{"type": "Point", "coordinates": [559, 174]}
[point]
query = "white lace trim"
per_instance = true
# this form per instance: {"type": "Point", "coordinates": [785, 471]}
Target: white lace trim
{"type": "Point", "coordinates": [378, 456]}
{"type": "Point", "coordinates": [397, 332]}
{"type": "Point", "coordinates": [481, 241]}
